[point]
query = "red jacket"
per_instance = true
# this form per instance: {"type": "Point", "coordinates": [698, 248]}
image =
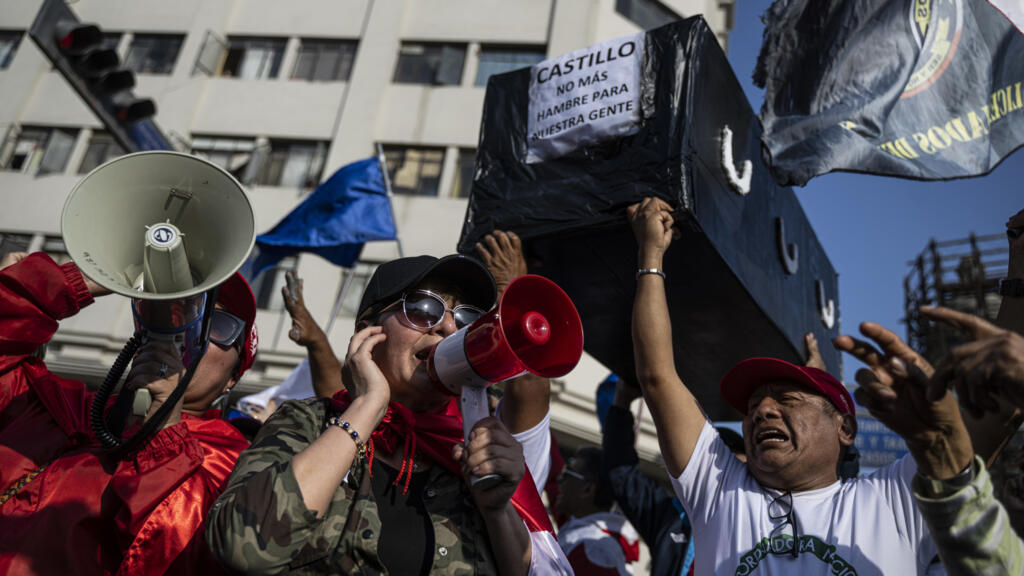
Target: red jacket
{"type": "Point", "coordinates": [87, 513]}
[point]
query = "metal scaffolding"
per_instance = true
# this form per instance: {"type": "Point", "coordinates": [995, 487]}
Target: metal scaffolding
{"type": "Point", "coordinates": [959, 274]}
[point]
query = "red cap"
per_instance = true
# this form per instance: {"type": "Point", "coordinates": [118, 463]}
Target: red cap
{"type": "Point", "coordinates": [236, 297]}
{"type": "Point", "coordinates": [742, 379]}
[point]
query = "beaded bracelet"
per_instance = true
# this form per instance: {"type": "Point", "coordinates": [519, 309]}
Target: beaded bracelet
{"type": "Point", "coordinates": [337, 421]}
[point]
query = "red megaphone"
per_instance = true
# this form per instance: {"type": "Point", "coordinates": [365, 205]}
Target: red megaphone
{"type": "Point", "coordinates": [535, 329]}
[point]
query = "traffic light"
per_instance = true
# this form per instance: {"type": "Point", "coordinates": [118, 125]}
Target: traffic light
{"type": "Point", "coordinates": [77, 50]}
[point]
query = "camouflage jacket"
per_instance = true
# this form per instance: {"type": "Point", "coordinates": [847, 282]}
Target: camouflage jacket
{"type": "Point", "coordinates": [260, 525]}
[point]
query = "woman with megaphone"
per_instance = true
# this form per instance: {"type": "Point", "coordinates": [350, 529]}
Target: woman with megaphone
{"type": "Point", "coordinates": [72, 506]}
{"type": "Point", "coordinates": [377, 478]}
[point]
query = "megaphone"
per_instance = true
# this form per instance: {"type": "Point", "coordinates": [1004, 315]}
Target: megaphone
{"type": "Point", "coordinates": [535, 328]}
{"type": "Point", "coordinates": [164, 229]}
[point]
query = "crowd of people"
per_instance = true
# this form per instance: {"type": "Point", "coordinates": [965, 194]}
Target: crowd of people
{"type": "Point", "coordinates": [372, 473]}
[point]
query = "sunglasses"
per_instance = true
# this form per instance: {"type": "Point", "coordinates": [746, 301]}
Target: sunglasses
{"type": "Point", "coordinates": [778, 509]}
{"type": "Point", "coordinates": [1014, 233]}
{"type": "Point", "coordinates": [424, 309]}
{"type": "Point", "coordinates": [226, 329]}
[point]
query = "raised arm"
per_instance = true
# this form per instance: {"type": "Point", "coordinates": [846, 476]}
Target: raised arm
{"type": "Point", "coordinates": [324, 367]}
{"type": "Point", "coordinates": [526, 399]}
{"type": "Point", "coordinates": [676, 413]}
{"type": "Point", "coordinates": [894, 388]}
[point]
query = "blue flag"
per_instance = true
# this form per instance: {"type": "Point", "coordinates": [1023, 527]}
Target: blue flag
{"type": "Point", "coordinates": [349, 209]}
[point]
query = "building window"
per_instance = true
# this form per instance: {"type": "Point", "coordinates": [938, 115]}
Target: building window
{"type": "Point", "coordinates": [253, 58]}
{"type": "Point", "coordinates": [41, 150]}
{"type": "Point", "coordinates": [464, 173]}
{"type": "Point", "coordinates": [435, 64]}
{"type": "Point", "coordinates": [14, 243]}
{"type": "Point", "coordinates": [154, 53]}
{"type": "Point", "coordinates": [415, 171]}
{"type": "Point", "coordinates": [9, 42]}
{"type": "Point", "coordinates": [324, 60]}
{"type": "Point", "coordinates": [295, 164]}
{"type": "Point", "coordinates": [54, 247]}
{"type": "Point", "coordinates": [646, 14]}
{"type": "Point", "coordinates": [102, 147]}
{"type": "Point", "coordinates": [267, 286]}
{"type": "Point", "coordinates": [498, 60]}
{"type": "Point", "coordinates": [231, 154]}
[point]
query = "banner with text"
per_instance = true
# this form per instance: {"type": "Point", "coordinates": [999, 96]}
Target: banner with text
{"type": "Point", "coordinates": [584, 97]}
{"type": "Point", "coordinates": [925, 89]}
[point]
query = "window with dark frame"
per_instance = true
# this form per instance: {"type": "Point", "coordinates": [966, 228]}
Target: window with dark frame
{"type": "Point", "coordinates": [9, 42]}
{"type": "Point", "coordinates": [102, 147]}
{"type": "Point", "coordinates": [464, 173]}
{"type": "Point", "coordinates": [414, 170]}
{"type": "Point", "coordinates": [501, 59]}
{"type": "Point", "coordinates": [41, 151]}
{"type": "Point", "coordinates": [253, 58]}
{"type": "Point", "coordinates": [231, 154]}
{"type": "Point", "coordinates": [153, 53]}
{"type": "Point", "coordinates": [293, 163]}
{"type": "Point", "coordinates": [646, 14]}
{"type": "Point", "coordinates": [432, 64]}
{"type": "Point", "coordinates": [10, 242]}
{"type": "Point", "coordinates": [324, 60]}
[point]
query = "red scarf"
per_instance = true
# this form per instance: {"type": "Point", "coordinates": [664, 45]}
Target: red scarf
{"type": "Point", "coordinates": [434, 433]}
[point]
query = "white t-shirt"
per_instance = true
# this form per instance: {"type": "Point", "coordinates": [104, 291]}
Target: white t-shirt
{"type": "Point", "coordinates": [865, 527]}
{"type": "Point", "coordinates": [536, 450]}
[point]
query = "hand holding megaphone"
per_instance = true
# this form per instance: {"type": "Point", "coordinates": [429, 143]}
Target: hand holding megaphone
{"type": "Point", "coordinates": [535, 329]}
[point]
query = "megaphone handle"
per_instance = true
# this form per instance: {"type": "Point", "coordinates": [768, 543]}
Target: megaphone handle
{"type": "Point", "coordinates": [474, 409]}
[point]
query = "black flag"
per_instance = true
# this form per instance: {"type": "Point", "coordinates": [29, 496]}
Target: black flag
{"type": "Point", "coordinates": [924, 89]}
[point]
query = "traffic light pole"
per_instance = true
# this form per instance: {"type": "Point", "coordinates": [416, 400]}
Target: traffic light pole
{"type": "Point", "coordinates": [76, 50]}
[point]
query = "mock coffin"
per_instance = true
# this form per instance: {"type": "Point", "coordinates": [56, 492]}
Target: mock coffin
{"type": "Point", "coordinates": [567, 145]}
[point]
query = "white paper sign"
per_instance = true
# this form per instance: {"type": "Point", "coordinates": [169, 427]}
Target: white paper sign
{"type": "Point", "coordinates": [584, 97]}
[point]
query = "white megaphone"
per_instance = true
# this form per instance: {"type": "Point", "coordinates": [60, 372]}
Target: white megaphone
{"type": "Point", "coordinates": [534, 329]}
{"type": "Point", "coordinates": [164, 229]}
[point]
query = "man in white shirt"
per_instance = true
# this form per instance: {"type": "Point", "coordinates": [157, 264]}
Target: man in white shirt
{"type": "Point", "coordinates": [785, 511]}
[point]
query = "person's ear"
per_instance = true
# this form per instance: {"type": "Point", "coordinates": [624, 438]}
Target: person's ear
{"type": "Point", "coordinates": [847, 429]}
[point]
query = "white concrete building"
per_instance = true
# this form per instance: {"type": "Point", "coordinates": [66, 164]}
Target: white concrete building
{"type": "Point", "coordinates": [282, 94]}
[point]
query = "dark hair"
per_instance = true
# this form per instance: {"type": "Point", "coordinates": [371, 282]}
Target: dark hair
{"type": "Point", "coordinates": [732, 440]}
{"type": "Point", "coordinates": [588, 461]}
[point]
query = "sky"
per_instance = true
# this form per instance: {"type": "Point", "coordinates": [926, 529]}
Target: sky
{"type": "Point", "coordinates": [871, 226]}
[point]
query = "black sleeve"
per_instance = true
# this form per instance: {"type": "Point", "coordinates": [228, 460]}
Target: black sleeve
{"type": "Point", "coordinates": [647, 506]}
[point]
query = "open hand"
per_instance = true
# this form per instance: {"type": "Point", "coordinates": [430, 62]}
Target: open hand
{"type": "Point", "coordinates": [502, 253]}
{"type": "Point", "coordinates": [491, 449]}
{"type": "Point", "coordinates": [814, 359]}
{"type": "Point", "coordinates": [893, 386]}
{"type": "Point", "coordinates": [984, 371]}
{"type": "Point", "coordinates": [304, 330]}
{"type": "Point", "coordinates": [361, 375]}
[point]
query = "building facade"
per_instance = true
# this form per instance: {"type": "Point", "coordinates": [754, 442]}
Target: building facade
{"type": "Point", "coordinates": [282, 94]}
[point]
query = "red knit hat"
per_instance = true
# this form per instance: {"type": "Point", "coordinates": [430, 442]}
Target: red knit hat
{"type": "Point", "coordinates": [236, 297]}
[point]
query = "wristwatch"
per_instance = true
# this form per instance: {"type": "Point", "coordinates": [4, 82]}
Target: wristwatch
{"type": "Point", "coordinates": [933, 488]}
{"type": "Point", "coordinates": [1012, 287]}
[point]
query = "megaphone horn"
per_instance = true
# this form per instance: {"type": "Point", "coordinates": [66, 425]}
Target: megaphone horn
{"type": "Point", "coordinates": [158, 225]}
{"type": "Point", "coordinates": [534, 329]}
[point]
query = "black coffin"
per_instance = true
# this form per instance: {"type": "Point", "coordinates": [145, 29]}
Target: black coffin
{"type": "Point", "coordinates": [747, 278]}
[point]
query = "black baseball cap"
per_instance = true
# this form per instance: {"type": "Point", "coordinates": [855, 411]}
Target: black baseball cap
{"type": "Point", "coordinates": [475, 283]}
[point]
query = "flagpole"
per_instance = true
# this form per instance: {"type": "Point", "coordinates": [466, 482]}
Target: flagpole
{"type": "Point", "coordinates": [387, 186]}
{"type": "Point", "coordinates": [349, 273]}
